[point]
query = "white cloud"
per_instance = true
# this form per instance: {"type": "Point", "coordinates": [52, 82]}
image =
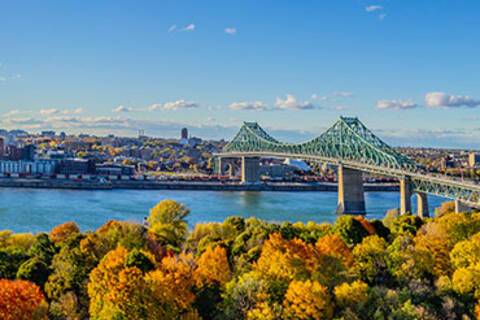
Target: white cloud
{"type": "Point", "coordinates": [50, 111]}
{"type": "Point", "coordinates": [290, 102]}
{"type": "Point", "coordinates": [122, 109]}
{"type": "Point", "coordinates": [172, 28]}
{"type": "Point", "coordinates": [175, 105]}
{"type": "Point", "coordinates": [373, 8]}
{"type": "Point", "coordinates": [231, 31]}
{"type": "Point", "coordinates": [244, 105]}
{"type": "Point", "coordinates": [382, 16]}
{"type": "Point", "coordinates": [396, 104]}
{"type": "Point", "coordinates": [189, 28]}
{"type": "Point", "coordinates": [442, 99]}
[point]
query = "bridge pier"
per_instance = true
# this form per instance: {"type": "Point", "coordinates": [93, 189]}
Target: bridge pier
{"type": "Point", "coordinates": [219, 166]}
{"type": "Point", "coordinates": [422, 205]}
{"type": "Point", "coordinates": [250, 170]}
{"type": "Point", "coordinates": [461, 207]}
{"type": "Point", "coordinates": [405, 196]}
{"type": "Point", "coordinates": [351, 197]}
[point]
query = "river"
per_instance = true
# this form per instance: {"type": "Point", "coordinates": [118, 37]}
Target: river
{"type": "Point", "coordinates": [34, 210]}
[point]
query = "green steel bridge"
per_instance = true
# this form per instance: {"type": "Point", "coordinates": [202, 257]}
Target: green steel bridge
{"type": "Point", "coordinates": [351, 146]}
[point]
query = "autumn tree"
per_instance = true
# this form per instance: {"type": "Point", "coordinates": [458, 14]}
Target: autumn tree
{"type": "Point", "coordinates": [61, 232]}
{"type": "Point", "coordinates": [21, 300]}
{"type": "Point", "coordinates": [167, 222]}
{"type": "Point", "coordinates": [307, 300]}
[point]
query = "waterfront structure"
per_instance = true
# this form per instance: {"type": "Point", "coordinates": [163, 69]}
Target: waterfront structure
{"type": "Point", "coordinates": [42, 167]}
{"type": "Point", "coordinates": [354, 149]}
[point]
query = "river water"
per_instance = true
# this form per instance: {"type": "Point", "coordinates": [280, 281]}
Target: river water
{"type": "Point", "coordinates": [34, 210]}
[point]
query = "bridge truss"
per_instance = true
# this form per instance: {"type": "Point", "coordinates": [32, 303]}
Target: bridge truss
{"type": "Point", "coordinates": [351, 144]}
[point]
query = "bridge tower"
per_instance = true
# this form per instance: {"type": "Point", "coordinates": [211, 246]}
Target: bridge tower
{"type": "Point", "coordinates": [250, 170]}
{"type": "Point", "coordinates": [351, 197]}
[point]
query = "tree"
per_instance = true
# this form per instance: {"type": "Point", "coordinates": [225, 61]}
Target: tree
{"type": "Point", "coordinates": [117, 292]}
{"type": "Point", "coordinates": [307, 300]}
{"type": "Point", "coordinates": [21, 300]}
{"type": "Point", "coordinates": [333, 245]}
{"type": "Point", "coordinates": [371, 260]}
{"type": "Point", "coordinates": [34, 270]}
{"type": "Point", "coordinates": [352, 296]}
{"type": "Point", "coordinates": [350, 230]}
{"type": "Point", "coordinates": [167, 223]}
{"type": "Point", "coordinates": [171, 287]}
{"type": "Point", "coordinates": [212, 267]}
{"type": "Point", "coordinates": [63, 231]}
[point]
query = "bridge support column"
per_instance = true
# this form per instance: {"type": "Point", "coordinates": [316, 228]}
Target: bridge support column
{"type": "Point", "coordinates": [250, 170]}
{"type": "Point", "coordinates": [461, 207]}
{"type": "Point", "coordinates": [405, 195]}
{"type": "Point", "coordinates": [219, 166]}
{"type": "Point", "coordinates": [422, 205]}
{"type": "Point", "coordinates": [351, 197]}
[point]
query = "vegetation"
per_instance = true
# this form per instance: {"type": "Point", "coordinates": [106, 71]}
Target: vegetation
{"type": "Point", "coordinates": [400, 268]}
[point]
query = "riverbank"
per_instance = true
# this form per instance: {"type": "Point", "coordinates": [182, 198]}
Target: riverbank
{"type": "Point", "coordinates": [183, 185]}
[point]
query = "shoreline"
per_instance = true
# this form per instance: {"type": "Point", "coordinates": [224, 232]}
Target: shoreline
{"type": "Point", "coordinates": [186, 185]}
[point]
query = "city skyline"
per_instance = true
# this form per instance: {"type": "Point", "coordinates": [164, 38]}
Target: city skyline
{"type": "Point", "coordinates": [117, 67]}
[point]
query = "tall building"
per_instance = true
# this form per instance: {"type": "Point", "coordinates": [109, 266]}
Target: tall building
{"type": "Point", "coordinates": [2, 147]}
{"type": "Point", "coordinates": [184, 133]}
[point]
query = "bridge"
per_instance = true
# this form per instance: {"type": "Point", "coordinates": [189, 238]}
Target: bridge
{"type": "Point", "coordinates": [353, 149]}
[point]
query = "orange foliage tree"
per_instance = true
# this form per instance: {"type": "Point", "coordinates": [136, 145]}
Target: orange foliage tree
{"type": "Point", "coordinates": [21, 300]}
{"type": "Point", "coordinates": [63, 231]}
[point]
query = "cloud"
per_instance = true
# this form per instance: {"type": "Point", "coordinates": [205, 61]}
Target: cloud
{"type": "Point", "coordinates": [244, 105]}
{"type": "Point", "coordinates": [290, 102]}
{"type": "Point", "coordinates": [189, 28]}
{"type": "Point", "coordinates": [382, 16]}
{"type": "Point", "coordinates": [396, 104]}
{"type": "Point", "coordinates": [373, 8]}
{"type": "Point", "coordinates": [50, 111]}
{"type": "Point", "coordinates": [175, 105]}
{"type": "Point", "coordinates": [122, 109]}
{"type": "Point", "coordinates": [442, 99]}
{"type": "Point", "coordinates": [231, 31]}
{"type": "Point", "coordinates": [172, 28]}
{"type": "Point", "coordinates": [343, 94]}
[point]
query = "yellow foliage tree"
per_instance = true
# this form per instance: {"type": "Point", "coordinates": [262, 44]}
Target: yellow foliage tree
{"type": "Point", "coordinates": [212, 267]}
{"type": "Point", "coordinates": [116, 291]}
{"type": "Point", "coordinates": [307, 300]}
{"type": "Point", "coordinates": [286, 259]}
{"type": "Point", "coordinates": [351, 295]}
{"type": "Point", "coordinates": [171, 286]}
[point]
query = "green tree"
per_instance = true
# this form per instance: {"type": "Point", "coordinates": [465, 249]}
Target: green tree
{"type": "Point", "coordinates": [167, 222]}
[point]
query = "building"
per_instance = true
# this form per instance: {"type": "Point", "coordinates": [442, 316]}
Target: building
{"type": "Point", "coordinates": [2, 147]}
{"type": "Point", "coordinates": [474, 160]}
{"type": "Point", "coordinates": [28, 152]}
{"type": "Point", "coordinates": [110, 169]}
{"type": "Point", "coordinates": [76, 166]}
{"type": "Point", "coordinates": [42, 167]}
{"type": "Point", "coordinates": [49, 133]}
{"type": "Point", "coordinates": [184, 134]}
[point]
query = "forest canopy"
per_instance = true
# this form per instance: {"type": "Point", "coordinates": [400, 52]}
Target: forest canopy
{"type": "Point", "coordinates": [402, 267]}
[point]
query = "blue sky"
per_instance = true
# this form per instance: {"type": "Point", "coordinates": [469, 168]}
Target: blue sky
{"type": "Point", "coordinates": [409, 69]}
